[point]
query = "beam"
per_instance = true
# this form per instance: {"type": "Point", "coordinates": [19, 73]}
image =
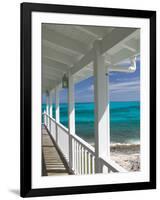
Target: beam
{"type": "Point", "coordinates": [52, 70]}
{"type": "Point", "coordinates": [60, 48]}
{"type": "Point", "coordinates": [117, 37]}
{"type": "Point", "coordinates": [120, 36]}
{"type": "Point", "coordinates": [99, 32]}
{"type": "Point", "coordinates": [46, 88]}
{"type": "Point", "coordinates": [129, 48]}
{"type": "Point", "coordinates": [88, 32]}
{"type": "Point", "coordinates": [64, 41]}
{"type": "Point", "coordinates": [123, 55]}
{"type": "Point", "coordinates": [55, 64]}
{"type": "Point", "coordinates": [132, 45]}
{"type": "Point", "coordinates": [49, 81]}
{"type": "Point", "coordinates": [85, 60]}
{"type": "Point", "coordinates": [58, 56]}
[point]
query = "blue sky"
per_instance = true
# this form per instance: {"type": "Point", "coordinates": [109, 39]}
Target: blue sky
{"type": "Point", "coordinates": [122, 87]}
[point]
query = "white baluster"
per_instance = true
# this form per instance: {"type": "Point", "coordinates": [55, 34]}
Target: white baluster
{"type": "Point", "coordinates": [89, 163]}
{"type": "Point", "coordinates": [80, 157]}
{"type": "Point", "coordinates": [73, 146]}
{"type": "Point", "coordinates": [77, 157]}
{"type": "Point", "coordinates": [44, 118]}
{"type": "Point", "coordinates": [86, 167]}
{"type": "Point", "coordinates": [93, 165]}
{"type": "Point", "coordinates": [82, 160]}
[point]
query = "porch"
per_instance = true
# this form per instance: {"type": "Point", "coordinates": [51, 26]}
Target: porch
{"type": "Point", "coordinates": [77, 52]}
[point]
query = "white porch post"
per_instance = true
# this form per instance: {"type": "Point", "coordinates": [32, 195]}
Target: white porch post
{"type": "Point", "coordinates": [108, 112]}
{"type": "Point", "coordinates": [57, 110]}
{"type": "Point", "coordinates": [47, 110]}
{"type": "Point", "coordinates": [71, 116]}
{"type": "Point", "coordinates": [57, 103]}
{"type": "Point", "coordinates": [50, 111]}
{"type": "Point", "coordinates": [50, 103]}
{"type": "Point", "coordinates": [47, 105]}
{"type": "Point", "coordinates": [102, 138]}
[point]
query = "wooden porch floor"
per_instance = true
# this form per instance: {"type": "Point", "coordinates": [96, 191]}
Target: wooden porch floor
{"type": "Point", "coordinates": [52, 160]}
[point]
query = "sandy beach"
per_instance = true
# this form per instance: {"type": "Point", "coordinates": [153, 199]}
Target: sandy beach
{"type": "Point", "coordinates": [126, 155]}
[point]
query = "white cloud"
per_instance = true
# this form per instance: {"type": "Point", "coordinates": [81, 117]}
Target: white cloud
{"type": "Point", "coordinates": [124, 87]}
{"type": "Point", "coordinates": [129, 88]}
{"type": "Point", "coordinates": [91, 87]}
{"type": "Point", "coordinates": [130, 84]}
{"type": "Point", "coordinates": [116, 86]}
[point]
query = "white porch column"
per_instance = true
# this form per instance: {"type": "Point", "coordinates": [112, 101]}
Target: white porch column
{"type": "Point", "coordinates": [50, 111]}
{"type": "Point", "coordinates": [50, 103]}
{"type": "Point", "coordinates": [102, 138]}
{"type": "Point", "coordinates": [71, 106]}
{"type": "Point", "coordinates": [71, 116]}
{"type": "Point", "coordinates": [57, 103]}
{"type": "Point", "coordinates": [57, 110]}
{"type": "Point", "coordinates": [47, 105]}
{"type": "Point", "coordinates": [108, 112]}
{"type": "Point", "coordinates": [47, 110]}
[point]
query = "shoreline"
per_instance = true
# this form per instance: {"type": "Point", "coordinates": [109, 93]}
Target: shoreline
{"type": "Point", "coordinates": [127, 155]}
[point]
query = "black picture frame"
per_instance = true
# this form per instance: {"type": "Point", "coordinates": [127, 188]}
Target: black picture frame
{"type": "Point", "coordinates": [26, 83]}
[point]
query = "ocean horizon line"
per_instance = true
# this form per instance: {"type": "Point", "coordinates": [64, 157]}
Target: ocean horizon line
{"type": "Point", "coordinates": [94, 102]}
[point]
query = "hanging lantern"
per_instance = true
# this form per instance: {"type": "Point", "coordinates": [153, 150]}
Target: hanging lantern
{"type": "Point", "coordinates": [47, 93]}
{"type": "Point", "coordinates": [65, 81]}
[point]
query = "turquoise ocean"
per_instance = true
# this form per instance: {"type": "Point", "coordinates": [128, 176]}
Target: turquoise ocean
{"type": "Point", "coordinates": [124, 121]}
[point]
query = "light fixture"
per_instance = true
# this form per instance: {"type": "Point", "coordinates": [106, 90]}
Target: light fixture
{"type": "Point", "coordinates": [47, 93]}
{"type": "Point", "coordinates": [65, 81]}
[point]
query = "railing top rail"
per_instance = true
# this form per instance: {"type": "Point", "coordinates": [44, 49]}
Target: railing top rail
{"type": "Point", "coordinates": [84, 144]}
{"type": "Point", "coordinates": [113, 166]}
{"type": "Point", "coordinates": [63, 127]}
{"type": "Point", "coordinates": [49, 116]}
{"type": "Point", "coordinates": [58, 123]}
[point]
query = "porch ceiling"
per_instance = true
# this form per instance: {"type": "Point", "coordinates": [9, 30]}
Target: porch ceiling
{"type": "Point", "coordinates": [70, 47]}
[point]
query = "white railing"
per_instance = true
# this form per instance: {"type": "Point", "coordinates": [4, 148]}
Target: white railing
{"type": "Point", "coordinates": [83, 154]}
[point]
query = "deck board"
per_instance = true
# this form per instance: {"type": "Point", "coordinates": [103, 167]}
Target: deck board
{"type": "Point", "coordinates": [52, 161]}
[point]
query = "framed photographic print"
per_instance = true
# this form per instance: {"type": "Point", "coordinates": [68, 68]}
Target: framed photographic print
{"type": "Point", "coordinates": [88, 99]}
